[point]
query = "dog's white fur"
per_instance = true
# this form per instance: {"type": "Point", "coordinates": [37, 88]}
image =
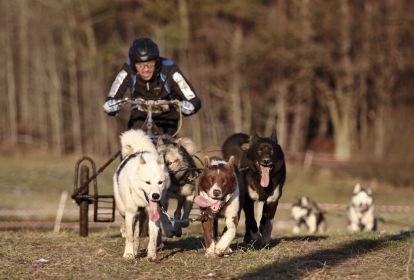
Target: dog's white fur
{"type": "Point", "coordinates": [135, 140]}
{"type": "Point", "coordinates": [140, 180]}
{"type": "Point", "coordinates": [229, 211]}
{"type": "Point", "coordinates": [306, 211]}
{"type": "Point", "coordinates": [361, 210]}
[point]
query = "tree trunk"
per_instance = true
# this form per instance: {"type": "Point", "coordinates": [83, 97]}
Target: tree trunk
{"type": "Point", "coordinates": [25, 96]}
{"type": "Point", "coordinates": [235, 86]}
{"type": "Point", "coordinates": [386, 80]}
{"type": "Point", "coordinates": [303, 104]}
{"type": "Point", "coordinates": [10, 79]}
{"type": "Point", "coordinates": [277, 117]}
{"type": "Point", "coordinates": [54, 92]}
{"type": "Point", "coordinates": [341, 101]}
{"type": "Point", "coordinates": [69, 47]}
{"type": "Point", "coordinates": [194, 121]}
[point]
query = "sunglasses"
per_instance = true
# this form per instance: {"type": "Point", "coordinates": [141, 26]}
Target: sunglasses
{"type": "Point", "coordinates": [142, 65]}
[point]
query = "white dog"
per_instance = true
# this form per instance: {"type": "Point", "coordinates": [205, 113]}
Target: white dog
{"type": "Point", "coordinates": [361, 210]}
{"type": "Point", "coordinates": [306, 212]}
{"type": "Point", "coordinates": [140, 182]}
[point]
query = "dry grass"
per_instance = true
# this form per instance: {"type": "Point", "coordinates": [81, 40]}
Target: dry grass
{"type": "Point", "coordinates": [34, 185]}
{"type": "Point", "coordinates": [67, 256]}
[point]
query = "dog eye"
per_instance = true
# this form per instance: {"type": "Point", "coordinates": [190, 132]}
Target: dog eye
{"type": "Point", "coordinates": [160, 182]}
{"type": "Point", "coordinates": [148, 182]}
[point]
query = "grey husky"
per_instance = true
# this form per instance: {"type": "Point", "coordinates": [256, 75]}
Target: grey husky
{"type": "Point", "coordinates": [184, 175]}
{"type": "Point", "coordinates": [306, 211]}
{"type": "Point", "coordinates": [361, 210]}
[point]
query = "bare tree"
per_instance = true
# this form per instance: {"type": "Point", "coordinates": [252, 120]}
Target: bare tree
{"type": "Point", "coordinates": [235, 83]}
{"type": "Point", "coordinates": [9, 78]}
{"type": "Point", "coordinates": [303, 101]}
{"type": "Point", "coordinates": [341, 100]}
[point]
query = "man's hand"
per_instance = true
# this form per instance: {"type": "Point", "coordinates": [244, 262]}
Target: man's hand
{"type": "Point", "coordinates": [187, 108]}
{"type": "Point", "coordinates": [111, 107]}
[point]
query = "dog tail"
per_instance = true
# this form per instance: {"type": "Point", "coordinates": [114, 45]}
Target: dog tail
{"type": "Point", "coordinates": [235, 145]}
{"type": "Point", "coordinates": [134, 141]}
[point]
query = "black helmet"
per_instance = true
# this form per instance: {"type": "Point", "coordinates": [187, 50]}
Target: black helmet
{"type": "Point", "coordinates": [143, 49]}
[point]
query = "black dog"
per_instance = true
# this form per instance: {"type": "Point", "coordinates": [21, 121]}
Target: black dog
{"type": "Point", "coordinates": [262, 164]}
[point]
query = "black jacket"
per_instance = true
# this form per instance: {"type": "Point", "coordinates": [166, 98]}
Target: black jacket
{"type": "Point", "coordinates": [167, 83]}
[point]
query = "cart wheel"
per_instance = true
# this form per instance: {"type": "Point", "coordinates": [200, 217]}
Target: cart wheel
{"type": "Point", "coordinates": [84, 204]}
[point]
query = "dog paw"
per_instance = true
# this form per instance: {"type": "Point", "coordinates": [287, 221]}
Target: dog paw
{"type": "Point", "coordinates": [129, 256]}
{"type": "Point", "coordinates": [264, 241]}
{"type": "Point", "coordinates": [169, 233]}
{"type": "Point", "coordinates": [211, 255]}
{"type": "Point", "coordinates": [185, 224]}
{"type": "Point", "coordinates": [178, 232]}
{"type": "Point", "coordinates": [153, 259]}
{"type": "Point", "coordinates": [228, 251]}
{"type": "Point", "coordinates": [223, 252]}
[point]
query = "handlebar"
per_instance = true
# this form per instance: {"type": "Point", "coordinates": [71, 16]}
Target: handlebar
{"type": "Point", "coordinates": [140, 101]}
{"type": "Point", "coordinates": [152, 106]}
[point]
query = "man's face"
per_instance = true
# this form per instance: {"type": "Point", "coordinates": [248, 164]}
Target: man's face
{"type": "Point", "coordinates": [145, 69]}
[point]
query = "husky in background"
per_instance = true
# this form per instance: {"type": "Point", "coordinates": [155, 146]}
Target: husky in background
{"type": "Point", "coordinates": [306, 212]}
{"type": "Point", "coordinates": [361, 210]}
{"type": "Point", "coordinates": [140, 183]}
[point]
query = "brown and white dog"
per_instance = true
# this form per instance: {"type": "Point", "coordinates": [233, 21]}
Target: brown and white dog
{"type": "Point", "coordinates": [219, 197]}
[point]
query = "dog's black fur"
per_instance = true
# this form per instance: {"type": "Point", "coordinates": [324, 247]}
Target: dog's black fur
{"type": "Point", "coordinates": [256, 155]}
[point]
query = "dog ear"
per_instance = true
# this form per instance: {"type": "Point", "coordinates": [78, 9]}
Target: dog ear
{"type": "Point", "coordinates": [304, 201]}
{"type": "Point", "coordinates": [273, 137]}
{"type": "Point", "coordinates": [160, 159]}
{"type": "Point", "coordinates": [160, 142]}
{"type": "Point", "coordinates": [127, 150]}
{"type": "Point", "coordinates": [230, 163]}
{"type": "Point", "coordinates": [206, 161]}
{"type": "Point", "coordinates": [142, 159]}
{"type": "Point", "coordinates": [357, 188]}
{"type": "Point", "coordinates": [253, 137]}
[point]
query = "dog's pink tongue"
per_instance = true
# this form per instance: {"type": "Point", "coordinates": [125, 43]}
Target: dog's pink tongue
{"type": "Point", "coordinates": [201, 201]}
{"type": "Point", "coordinates": [264, 181]}
{"type": "Point", "coordinates": [204, 203]}
{"type": "Point", "coordinates": [154, 215]}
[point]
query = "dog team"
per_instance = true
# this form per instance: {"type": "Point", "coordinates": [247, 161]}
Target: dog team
{"type": "Point", "coordinates": [249, 177]}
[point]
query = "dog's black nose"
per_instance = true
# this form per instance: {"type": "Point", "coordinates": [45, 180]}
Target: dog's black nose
{"type": "Point", "coordinates": [155, 196]}
{"type": "Point", "coordinates": [267, 161]}
{"type": "Point", "coordinates": [216, 193]}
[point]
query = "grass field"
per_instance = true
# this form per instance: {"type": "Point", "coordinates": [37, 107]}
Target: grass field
{"type": "Point", "coordinates": [44, 255]}
{"type": "Point", "coordinates": [30, 187]}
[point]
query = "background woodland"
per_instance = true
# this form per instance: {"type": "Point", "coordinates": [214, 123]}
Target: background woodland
{"type": "Point", "coordinates": [330, 76]}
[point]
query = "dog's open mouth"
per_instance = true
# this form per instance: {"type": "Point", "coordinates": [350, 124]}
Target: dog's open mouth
{"type": "Point", "coordinates": [265, 169]}
{"type": "Point", "coordinates": [213, 204]}
{"type": "Point", "coordinates": [153, 212]}
{"type": "Point", "coordinates": [364, 208]}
